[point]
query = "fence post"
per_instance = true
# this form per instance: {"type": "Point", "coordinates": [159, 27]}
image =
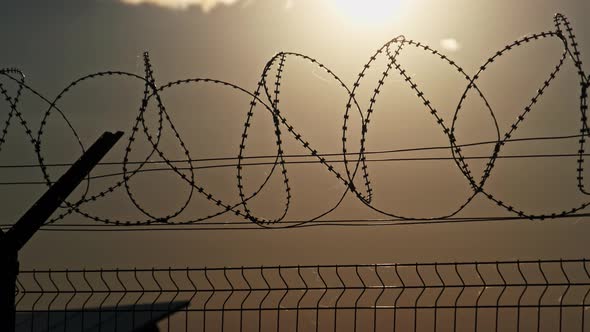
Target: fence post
{"type": "Point", "coordinates": [8, 273]}
{"type": "Point", "coordinates": [23, 230]}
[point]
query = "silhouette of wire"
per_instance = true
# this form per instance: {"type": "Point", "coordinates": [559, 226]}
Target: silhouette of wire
{"type": "Point", "coordinates": [286, 156]}
{"type": "Point", "coordinates": [304, 162]}
{"type": "Point", "coordinates": [355, 178]}
{"type": "Point", "coordinates": [243, 225]}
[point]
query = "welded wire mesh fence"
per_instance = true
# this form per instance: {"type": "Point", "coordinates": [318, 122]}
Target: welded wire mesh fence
{"type": "Point", "coordinates": [549, 295]}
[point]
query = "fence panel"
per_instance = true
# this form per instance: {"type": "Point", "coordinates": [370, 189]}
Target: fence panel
{"type": "Point", "coordinates": [549, 295]}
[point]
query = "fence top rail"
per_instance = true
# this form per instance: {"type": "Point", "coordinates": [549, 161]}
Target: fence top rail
{"type": "Point", "coordinates": [323, 266]}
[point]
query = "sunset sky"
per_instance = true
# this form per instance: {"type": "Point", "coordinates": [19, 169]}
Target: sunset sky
{"type": "Point", "coordinates": [56, 42]}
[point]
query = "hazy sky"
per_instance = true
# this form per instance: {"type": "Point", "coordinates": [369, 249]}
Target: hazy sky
{"type": "Point", "coordinates": [205, 5]}
{"type": "Point", "coordinates": [55, 42]}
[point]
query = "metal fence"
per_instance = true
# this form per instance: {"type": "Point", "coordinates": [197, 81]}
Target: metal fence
{"type": "Point", "coordinates": [548, 295]}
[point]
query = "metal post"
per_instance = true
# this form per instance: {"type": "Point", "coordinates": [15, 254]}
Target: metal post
{"type": "Point", "coordinates": [8, 274]}
{"type": "Point", "coordinates": [24, 229]}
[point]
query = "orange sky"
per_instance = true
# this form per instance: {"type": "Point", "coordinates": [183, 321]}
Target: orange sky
{"type": "Point", "coordinates": [58, 43]}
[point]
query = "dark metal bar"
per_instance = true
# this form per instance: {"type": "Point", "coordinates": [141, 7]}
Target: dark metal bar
{"type": "Point", "coordinates": [35, 217]}
{"type": "Point", "coordinates": [8, 275]}
{"type": "Point", "coordinates": [23, 230]}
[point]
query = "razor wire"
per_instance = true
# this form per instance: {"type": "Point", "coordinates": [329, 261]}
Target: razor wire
{"type": "Point", "coordinates": [528, 295]}
{"type": "Point", "coordinates": [267, 94]}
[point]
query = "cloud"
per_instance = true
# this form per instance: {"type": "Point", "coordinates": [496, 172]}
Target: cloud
{"type": "Point", "coordinates": [205, 5]}
{"type": "Point", "coordinates": [450, 44]}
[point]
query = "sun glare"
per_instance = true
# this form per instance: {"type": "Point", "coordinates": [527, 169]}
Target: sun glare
{"type": "Point", "coordinates": [368, 11]}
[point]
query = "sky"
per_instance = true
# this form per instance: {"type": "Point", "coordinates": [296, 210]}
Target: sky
{"type": "Point", "coordinates": [205, 5]}
{"type": "Point", "coordinates": [56, 42]}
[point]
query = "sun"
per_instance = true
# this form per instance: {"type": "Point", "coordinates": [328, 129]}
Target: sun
{"type": "Point", "coordinates": [367, 11]}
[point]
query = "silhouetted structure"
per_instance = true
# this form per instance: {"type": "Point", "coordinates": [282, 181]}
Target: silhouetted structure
{"type": "Point", "coordinates": [23, 230]}
{"type": "Point", "coordinates": [545, 295]}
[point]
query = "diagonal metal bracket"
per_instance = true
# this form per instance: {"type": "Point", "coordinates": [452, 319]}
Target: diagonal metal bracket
{"type": "Point", "coordinates": [23, 230]}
